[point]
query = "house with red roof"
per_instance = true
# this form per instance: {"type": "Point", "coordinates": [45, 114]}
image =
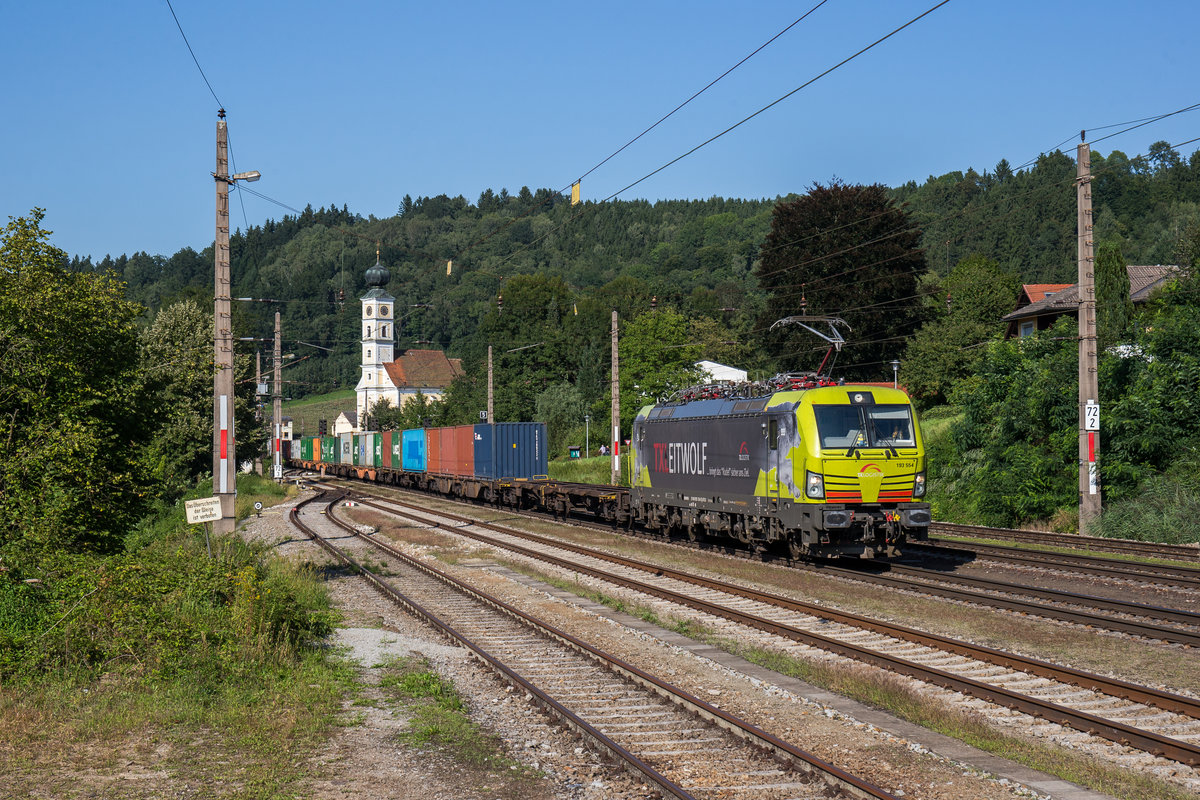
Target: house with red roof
{"type": "Point", "coordinates": [1041, 304]}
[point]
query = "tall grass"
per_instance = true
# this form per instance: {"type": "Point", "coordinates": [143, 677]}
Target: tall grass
{"type": "Point", "coordinates": [1166, 509]}
{"type": "Point", "coordinates": [161, 645]}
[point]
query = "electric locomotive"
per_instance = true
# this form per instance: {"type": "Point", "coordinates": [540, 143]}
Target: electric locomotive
{"type": "Point", "coordinates": [819, 468]}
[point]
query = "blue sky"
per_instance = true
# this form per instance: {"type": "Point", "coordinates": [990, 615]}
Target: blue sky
{"type": "Point", "coordinates": [110, 127]}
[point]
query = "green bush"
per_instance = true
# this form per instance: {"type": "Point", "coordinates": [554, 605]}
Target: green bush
{"type": "Point", "coordinates": [162, 607]}
{"type": "Point", "coordinates": [159, 611]}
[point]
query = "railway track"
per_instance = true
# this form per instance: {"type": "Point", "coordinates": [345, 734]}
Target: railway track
{"type": "Point", "coordinates": [1134, 619]}
{"type": "Point", "coordinates": [1096, 566]}
{"type": "Point", "coordinates": [1069, 606]}
{"type": "Point", "coordinates": [1141, 718]}
{"type": "Point", "coordinates": [680, 744]}
{"type": "Point", "coordinates": [1170, 552]}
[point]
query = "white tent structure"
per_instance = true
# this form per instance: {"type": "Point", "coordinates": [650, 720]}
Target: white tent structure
{"type": "Point", "coordinates": [721, 372]}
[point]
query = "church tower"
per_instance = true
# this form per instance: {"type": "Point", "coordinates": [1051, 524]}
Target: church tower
{"type": "Point", "coordinates": [378, 338]}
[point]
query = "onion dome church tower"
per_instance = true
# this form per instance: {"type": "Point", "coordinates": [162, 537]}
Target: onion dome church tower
{"type": "Point", "coordinates": [378, 338]}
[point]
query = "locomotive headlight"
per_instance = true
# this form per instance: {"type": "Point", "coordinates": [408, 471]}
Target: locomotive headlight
{"type": "Point", "coordinates": [814, 486]}
{"type": "Point", "coordinates": [919, 485]}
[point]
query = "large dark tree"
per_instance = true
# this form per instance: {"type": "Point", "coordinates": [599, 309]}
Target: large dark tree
{"type": "Point", "coordinates": [848, 252]}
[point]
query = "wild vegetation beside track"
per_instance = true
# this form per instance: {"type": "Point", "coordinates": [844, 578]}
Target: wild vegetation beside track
{"type": "Point", "coordinates": [157, 664]}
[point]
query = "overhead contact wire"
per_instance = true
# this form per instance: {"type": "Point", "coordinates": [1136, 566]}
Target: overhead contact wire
{"type": "Point", "coordinates": [661, 120]}
{"type": "Point", "coordinates": [774, 103]}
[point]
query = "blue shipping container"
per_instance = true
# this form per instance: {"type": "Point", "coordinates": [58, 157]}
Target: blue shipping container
{"type": "Point", "coordinates": [412, 458]}
{"type": "Point", "coordinates": [510, 450]}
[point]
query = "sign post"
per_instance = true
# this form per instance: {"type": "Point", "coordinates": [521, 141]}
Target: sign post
{"type": "Point", "coordinates": [204, 511]}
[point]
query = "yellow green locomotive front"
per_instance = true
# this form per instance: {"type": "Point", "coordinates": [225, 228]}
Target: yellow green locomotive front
{"type": "Point", "coordinates": [830, 471]}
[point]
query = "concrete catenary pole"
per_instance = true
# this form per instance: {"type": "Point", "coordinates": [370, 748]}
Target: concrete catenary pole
{"type": "Point", "coordinates": [616, 408]}
{"type": "Point", "coordinates": [277, 411]}
{"type": "Point", "coordinates": [1089, 392]}
{"type": "Point", "coordinates": [224, 449]}
{"type": "Point", "coordinates": [490, 418]}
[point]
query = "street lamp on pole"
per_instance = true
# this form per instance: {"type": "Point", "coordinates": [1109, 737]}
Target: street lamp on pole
{"type": "Point", "coordinates": [224, 450]}
{"type": "Point", "coordinates": [587, 435]}
{"type": "Point", "coordinates": [895, 374]}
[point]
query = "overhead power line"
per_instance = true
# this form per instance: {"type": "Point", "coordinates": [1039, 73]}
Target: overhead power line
{"type": "Point", "coordinates": [711, 83]}
{"type": "Point", "coordinates": [733, 127]}
{"type": "Point", "coordinates": [774, 103]}
{"type": "Point", "coordinates": [1133, 125]}
{"type": "Point", "coordinates": [189, 47]}
{"type": "Point", "coordinates": [562, 192]}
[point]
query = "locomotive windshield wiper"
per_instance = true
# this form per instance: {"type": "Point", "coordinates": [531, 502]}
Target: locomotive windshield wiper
{"type": "Point", "coordinates": [890, 445]}
{"type": "Point", "coordinates": [855, 438]}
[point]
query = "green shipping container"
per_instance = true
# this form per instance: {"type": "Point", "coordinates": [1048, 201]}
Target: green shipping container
{"type": "Point", "coordinates": [368, 449]}
{"type": "Point", "coordinates": [329, 450]}
{"type": "Point", "coordinates": [306, 449]}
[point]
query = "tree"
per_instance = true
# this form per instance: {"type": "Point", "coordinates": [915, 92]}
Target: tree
{"type": "Point", "coordinates": [657, 357]}
{"type": "Point", "coordinates": [71, 400]}
{"type": "Point", "coordinates": [965, 310]}
{"type": "Point", "coordinates": [1013, 458]}
{"type": "Point", "coordinates": [1114, 307]}
{"type": "Point", "coordinates": [176, 358]}
{"type": "Point", "coordinates": [848, 252]}
{"type": "Point", "coordinates": [1154, 418]}
{"type": "Point", "coordinates": [560, 406]}
{"type": "Point", "coordinates": [418, 412]}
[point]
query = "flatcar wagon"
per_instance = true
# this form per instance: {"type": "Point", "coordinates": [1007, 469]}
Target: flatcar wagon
{"type": "Point", "coordinates": [801, 465]}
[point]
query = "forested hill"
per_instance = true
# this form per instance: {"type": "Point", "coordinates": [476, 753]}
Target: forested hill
{"type": "Point", "coordinates": [695, 257]}
{"type": "Point", "coordinates": [1025, 220]}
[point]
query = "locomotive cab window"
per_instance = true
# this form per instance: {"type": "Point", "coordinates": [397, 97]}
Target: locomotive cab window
{"type": "Point", "coordinates": [841, 427]}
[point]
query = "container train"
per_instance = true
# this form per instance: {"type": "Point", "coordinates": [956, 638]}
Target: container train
{"type": "Point", "coordinates": [800, 464]}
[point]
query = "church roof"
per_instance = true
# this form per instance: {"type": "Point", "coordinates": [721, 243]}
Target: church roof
{"type": "Point", "coordinates": [377, 277]}
{"type": "Point", "coordinates": [423, 369]}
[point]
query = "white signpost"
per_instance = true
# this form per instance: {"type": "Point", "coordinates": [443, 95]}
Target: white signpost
{"type": "Point", "coordinates": [204, 511]}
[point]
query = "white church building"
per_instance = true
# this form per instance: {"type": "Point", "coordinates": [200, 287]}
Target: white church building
{"type": "Point", "coordinates": [386, 374]}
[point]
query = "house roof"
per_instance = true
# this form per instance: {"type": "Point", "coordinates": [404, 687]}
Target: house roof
{"type": "Point", "coordinates": [1038, 291]}
{"type": "Point", "coordinates": [1143, 280]}
{"type": "Point", "coordinates": [423, 369]}
{"type": "Point", "coordinates": [351, 417]}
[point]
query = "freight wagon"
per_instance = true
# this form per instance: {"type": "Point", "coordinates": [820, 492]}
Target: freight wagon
{"type": "Point", "coordinates": [430, 456]}
{"type": "Point", "coordinates": [803, 466]}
